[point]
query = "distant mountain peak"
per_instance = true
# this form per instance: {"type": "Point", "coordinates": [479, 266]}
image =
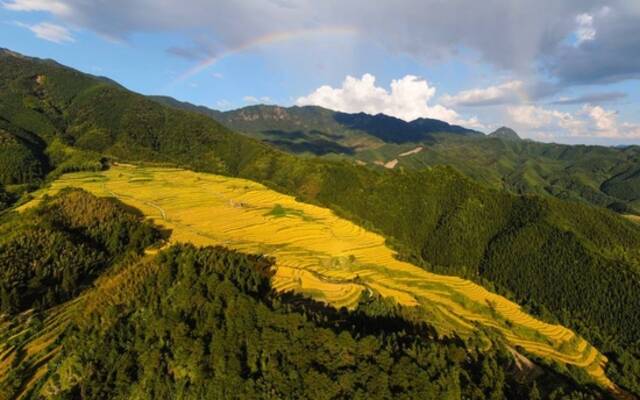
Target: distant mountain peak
{"type": "Point", "coordinates": [505, 133]}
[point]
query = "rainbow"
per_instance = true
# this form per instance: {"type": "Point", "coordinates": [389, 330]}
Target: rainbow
{"type": "Point", "coordinates": [270, 38]}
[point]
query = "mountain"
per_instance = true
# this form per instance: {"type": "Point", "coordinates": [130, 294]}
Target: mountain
{"type": "Point", "coordinates": [317, 130]}
{"type": "Point", "coordinates": [505, 133]}
{"type": "Point", "coordinates": [594, 174]}
{"type": "Point", "coordinates": [565, 261]}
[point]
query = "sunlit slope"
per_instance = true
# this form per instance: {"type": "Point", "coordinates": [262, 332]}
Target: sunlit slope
{"type": "Point", "coordinates": [31, 342]}
{"type": "Point", "coordinates": [323, 255]}
{"type": "Point", "coordinates": [634, 218]}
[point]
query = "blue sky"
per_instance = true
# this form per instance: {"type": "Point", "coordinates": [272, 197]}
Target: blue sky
{"type": "Point", "coordinates": [564, 72]}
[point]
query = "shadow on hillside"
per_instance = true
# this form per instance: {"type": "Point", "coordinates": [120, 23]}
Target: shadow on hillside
{"type": "Point", "coordinates": [394, 130]}
{"type": "Point", "coordinates": [318, 147]}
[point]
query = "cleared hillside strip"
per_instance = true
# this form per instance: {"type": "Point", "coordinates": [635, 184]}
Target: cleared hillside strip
{"type": "Point", "coordinates": [410, 152]}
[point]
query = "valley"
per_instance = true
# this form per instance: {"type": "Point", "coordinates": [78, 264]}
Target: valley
{"type": "Point", "coordinates": [324, 256]}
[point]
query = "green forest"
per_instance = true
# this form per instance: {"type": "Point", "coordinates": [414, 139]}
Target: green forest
{"type": "Point", "coordinates": [208, 326]}
{"type": "Point", "coordinates": [52, 254]}
{"type": "Point", "coordinates": [205, 323]}
{"type": "Point", "coordinates": [530, 248]}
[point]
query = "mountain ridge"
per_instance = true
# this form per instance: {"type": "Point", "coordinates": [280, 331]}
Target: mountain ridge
{"type": "Point", "coordinates": [419, 123]}
{"type": "Point", "coordinates": [501, 159]}
{"type": "Point", "coordinates": [286, 126]}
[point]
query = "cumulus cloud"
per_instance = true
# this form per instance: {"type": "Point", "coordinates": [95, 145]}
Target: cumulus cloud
{"type": "Point", "coordinates": [605, 121]}
{"type": "Point", "coordinates": [503, 93]}
{"type": "Point", "coordinates": [536, 118]}
{"type": "Point", "coordinates": [585, 31]}
{"type": "Point", "coordinates": [606, 124]}
{"type": "Point", "coordinates": [588, 121]}
{"type": "Point", "coordinates": [408, 99]}
{"type": "Point", "coordinates": [51, 32]}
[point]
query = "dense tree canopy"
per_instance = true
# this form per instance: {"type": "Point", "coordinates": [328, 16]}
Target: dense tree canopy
{"type": "Point", "coordinates": [207, 325]}
{"type": "Point", "coordinates": [51, 254]}
{"type": "Point", "coordinates": [6, 199]}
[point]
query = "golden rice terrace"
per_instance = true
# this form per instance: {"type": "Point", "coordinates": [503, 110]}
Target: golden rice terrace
{"type": "Point", "coordinates": [322, 255]}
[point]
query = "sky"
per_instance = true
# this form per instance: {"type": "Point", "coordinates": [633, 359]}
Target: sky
{"type": "Point", "coordinates": [555, 71]}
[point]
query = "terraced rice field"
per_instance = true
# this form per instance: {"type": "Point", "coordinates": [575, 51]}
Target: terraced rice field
{"type": "Point", "coordinates": [322, 255]}
{"type": "Point", "coordinates": [634, 218]}
{"type": "Point", "coordinates": [37, 346]}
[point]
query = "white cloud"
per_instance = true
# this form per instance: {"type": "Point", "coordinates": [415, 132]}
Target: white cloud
{"type": "Point", "coordinates": [536, 118]}
{"type": "Point", "coordinates": [606, 123]}
{"type": "Point", "coordinates": [589, 121]}
{"type": "Point", "coordinates": [52, 6]}
{"type": "Point", "coordinates": [223, 104]}
{"type": "Point", "coordinates": [507, 92]}
{"type": "Point", "coordinates": [217, 75]}
{"type": "Point", "coordinates": [408, 99]}
{"type": "Point", "coordinates": [51, 32]}
{"type": "Point", "coordinates": [257, 100]}
{"type": "Point", "coordinates": [585, 31]}
{"type": "Point", "coordinates": [632, 131]}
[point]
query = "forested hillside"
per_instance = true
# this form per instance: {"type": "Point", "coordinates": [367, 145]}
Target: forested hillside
{"type": "Point", "coordinates": [603, 176]}
{"type": "Point", "coordinates": [49, 255]}
{"type": "Point", "coordinates": [606, 177]}
{"type": "Point", "coordinates": [543, 252]}
{"type": "Point", "coordinates": [207, 324]}
{"type": "Point", "coordinates": [193, 323]}
{"type": "Point", "coordinates": [20, 161]}
{"type": "Point", "coordinates": [319, 131]}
